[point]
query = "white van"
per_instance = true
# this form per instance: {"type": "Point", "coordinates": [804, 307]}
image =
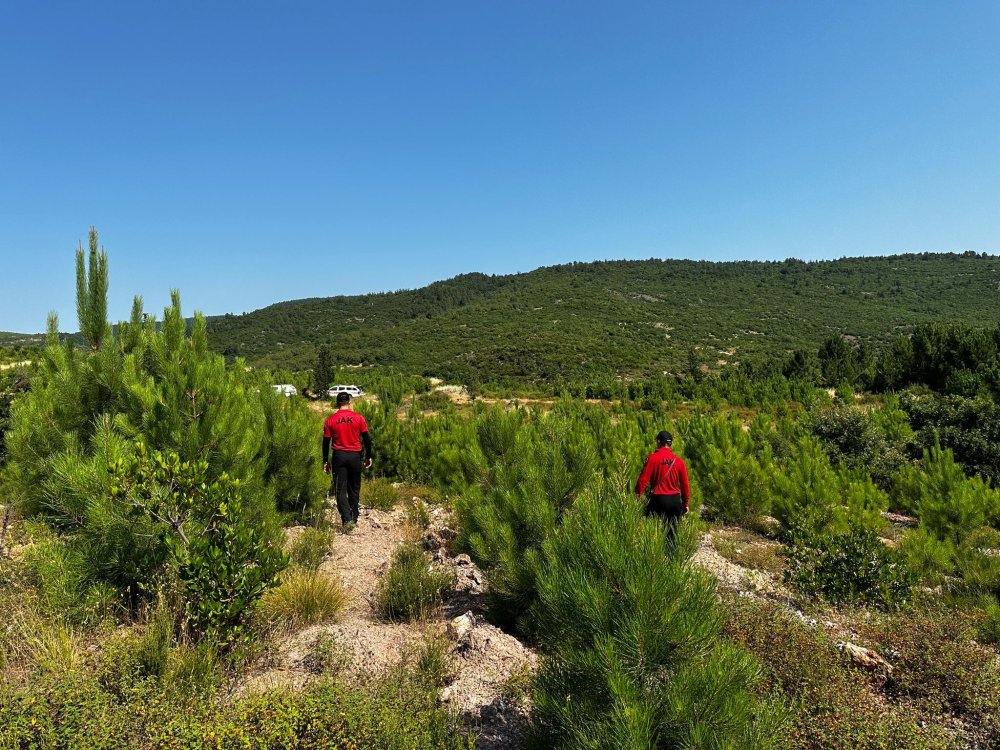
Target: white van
{"type": "Point", "coordinates": [351, 390]}
{"type": "Point", "coordinates": [286, 389]}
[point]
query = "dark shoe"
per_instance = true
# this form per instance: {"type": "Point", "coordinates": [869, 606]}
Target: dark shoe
{"type": "Point", "coordinates": [349, 527]}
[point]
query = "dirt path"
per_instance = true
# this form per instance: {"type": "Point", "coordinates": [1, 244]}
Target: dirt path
{"type": "Point", "coordinates": [484, 659]}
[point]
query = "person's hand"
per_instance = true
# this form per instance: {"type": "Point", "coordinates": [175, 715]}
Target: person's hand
{"type": "Point", "coordinates": [326, 468]}
{"type": "Point", "coordinates": [368, 464]}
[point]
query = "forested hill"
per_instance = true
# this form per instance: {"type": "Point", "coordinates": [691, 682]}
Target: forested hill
{"type": "Point", "coordinates": [628, 317]}
{"type": "Point", "coordinates": [21, 339]}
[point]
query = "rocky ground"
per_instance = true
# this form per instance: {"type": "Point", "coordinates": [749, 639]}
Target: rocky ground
{"type": "Point", "coordinates": [485, 661]}
{"type": "Point", "coordinates": [487, 664]}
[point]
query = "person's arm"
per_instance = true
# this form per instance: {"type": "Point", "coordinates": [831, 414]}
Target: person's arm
{"type": "Point", "coordinates": [326, 453]}
{"type": "Point", "coordinates": [366, 448]}
{"type": "Point", "coordinates": [685, 485]}
{"type": "Point", "coordinates": [643, 481]}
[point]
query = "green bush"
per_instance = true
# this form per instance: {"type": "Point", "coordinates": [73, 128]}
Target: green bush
{"type": "Point", "coordinates": [989, 626]}
{"type": "Point", "coordinates": [434, 401]}
{"type": "Point", "coordinates": [969, 427]}
{"type": "Point", "coordinates": [949, 504]}
{"type": "Point", "coordinates": [629, 635]}
{"type": "Point", "coordinates": [736, 484]}
{"type": "Point", "coordinates": [411, 588]}
{"type": "Point", "coordinates": [854, 568]}
{"type": "Point", "coordinates": [74, 712]}
{"type": "Point", "coordinates": [871, 441]}
{"type": "Point", "coordinates": [310, 547]}
{"type": "Point", "coordinates": [378, 493]}
{"type": "Point", "coordinates": [157, 385]}
{"type": "Point", "coordinates": [224, 562]}
{"type": "Point", "coordinates": [65, 581]}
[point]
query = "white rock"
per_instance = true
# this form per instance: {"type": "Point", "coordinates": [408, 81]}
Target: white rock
{"type": "Point", "coordinates": [461, 626]}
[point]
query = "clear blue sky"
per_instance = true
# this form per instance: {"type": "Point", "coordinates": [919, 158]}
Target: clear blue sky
{"type": "Point", "coordinates": [251, 152]}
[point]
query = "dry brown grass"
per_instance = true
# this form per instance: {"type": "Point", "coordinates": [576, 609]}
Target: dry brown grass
{"type": "Point", "coordinates": [749, 550]}
{"type": "Point", "coordinates": [304, 597]}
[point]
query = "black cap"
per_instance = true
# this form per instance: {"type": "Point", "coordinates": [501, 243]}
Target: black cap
{"type": "Point", "coordinates": [343, 398]}
{"type": "Point", "coordinates": [664, 437]}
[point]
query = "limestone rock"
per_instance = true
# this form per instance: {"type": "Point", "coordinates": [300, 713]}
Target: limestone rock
{"type": "Point", "coordinates": [461, 627]}
{"type": "Point", "coordinates": [864, 657]}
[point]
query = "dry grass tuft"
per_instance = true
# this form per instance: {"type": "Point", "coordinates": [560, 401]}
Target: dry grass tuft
{"type": "Point", "coordinates": [305, 597]}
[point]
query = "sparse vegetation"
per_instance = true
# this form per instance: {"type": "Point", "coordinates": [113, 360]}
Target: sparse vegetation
{"type": "Point", "coordinates": [310, 547]}
{"type": "Point", "coordinates": [151, 479]}
{"type": "Point", "coordinates": [411, 587]}
{"type": "Point", "coordinates": [380, 494]}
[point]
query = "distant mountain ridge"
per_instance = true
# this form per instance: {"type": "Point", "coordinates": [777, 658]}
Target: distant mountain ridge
{"type": "Point", "coordinates": [619, 317]}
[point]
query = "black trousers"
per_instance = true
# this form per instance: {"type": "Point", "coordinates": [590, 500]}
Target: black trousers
{"type": "Point", "coordinates": [669, 508]}
{"type": "Point", "coordinates": [346, 470]}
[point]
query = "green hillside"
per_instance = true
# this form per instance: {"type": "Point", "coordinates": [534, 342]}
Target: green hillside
{"type": "Point", "coordinates": [21, 339]}
{"type": "Point", "coordinates": [627, 317]}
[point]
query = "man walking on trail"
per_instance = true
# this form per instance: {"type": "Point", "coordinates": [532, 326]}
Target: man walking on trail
{"type": "Point", "coordinates": [666, 476]}
{"type": "Point", "coordinates": [347, 430]}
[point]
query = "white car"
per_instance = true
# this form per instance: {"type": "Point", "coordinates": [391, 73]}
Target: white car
{"type": "Point", "coordinates": [286, 389]}
{"type": "Point", "coordinates": [351, 390]}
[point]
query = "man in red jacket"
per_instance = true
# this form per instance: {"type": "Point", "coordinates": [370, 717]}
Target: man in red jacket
{"type": "Point", "coordinates": [666, 475]}
{"type": "Point", "coordinates": [352, 447]}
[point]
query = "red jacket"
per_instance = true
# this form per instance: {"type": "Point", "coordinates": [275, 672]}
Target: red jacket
{"type": "Point", "coordinates": [666, 473]}
{"type": "Point", "coordinates": [345, 427]}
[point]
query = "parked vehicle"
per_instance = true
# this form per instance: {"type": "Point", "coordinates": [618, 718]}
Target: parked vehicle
{"type": "Point", "coordinates": [286, 389]}
{"type": "Point", "coordinates": [352, 390]}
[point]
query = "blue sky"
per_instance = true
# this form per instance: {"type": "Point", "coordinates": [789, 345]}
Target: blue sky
{"type": "Point", "coordinates": [253, 152]}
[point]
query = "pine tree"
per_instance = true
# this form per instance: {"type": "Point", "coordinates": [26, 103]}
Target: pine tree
{"type": "Point", "coordinates": [162, 389]}
{"type": "Point", "coordinates": [92, 293]}
{"type": "Point", "coordinates": [323, 369]}
{"type": "Point", "coordinates": [629, 631]}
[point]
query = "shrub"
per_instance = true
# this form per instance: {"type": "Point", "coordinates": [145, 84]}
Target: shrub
{"type": "Point", "coordinates": [410, 587]}
{"type": "Point", "coordinates": [854, 568]}
{"type": "Point", "coordinates": [64, 580]}
{"type": "Point", "coordinates": [304, 597]}
{"type": "Point", "coordinates": [224, 562]}
{"type": "Point", "coordinates": [949, 504]}
{"type": "Point", "coordinates": [156, 385]}
{"type": "Point", "coordinates": [310, 547]}
{"type": "Point", "coordinates": [379, 494]}
{"type": "Point", "coordinates": [989, 626]}
{"type": "Point", "coordinates": [73, 712]}
{"type": "Point", "coordinates": [831, 705]}
{"type": "Point", "coordinates": [970, 427]}
{"type": "Point", "coordinates": [629, 633]}
{"type": "Point", "coordinates": [434, 401]}
{"type": "Point", "coordinates": [939, 665]}
{"type": "Point", "coordinates": [860, 439]}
